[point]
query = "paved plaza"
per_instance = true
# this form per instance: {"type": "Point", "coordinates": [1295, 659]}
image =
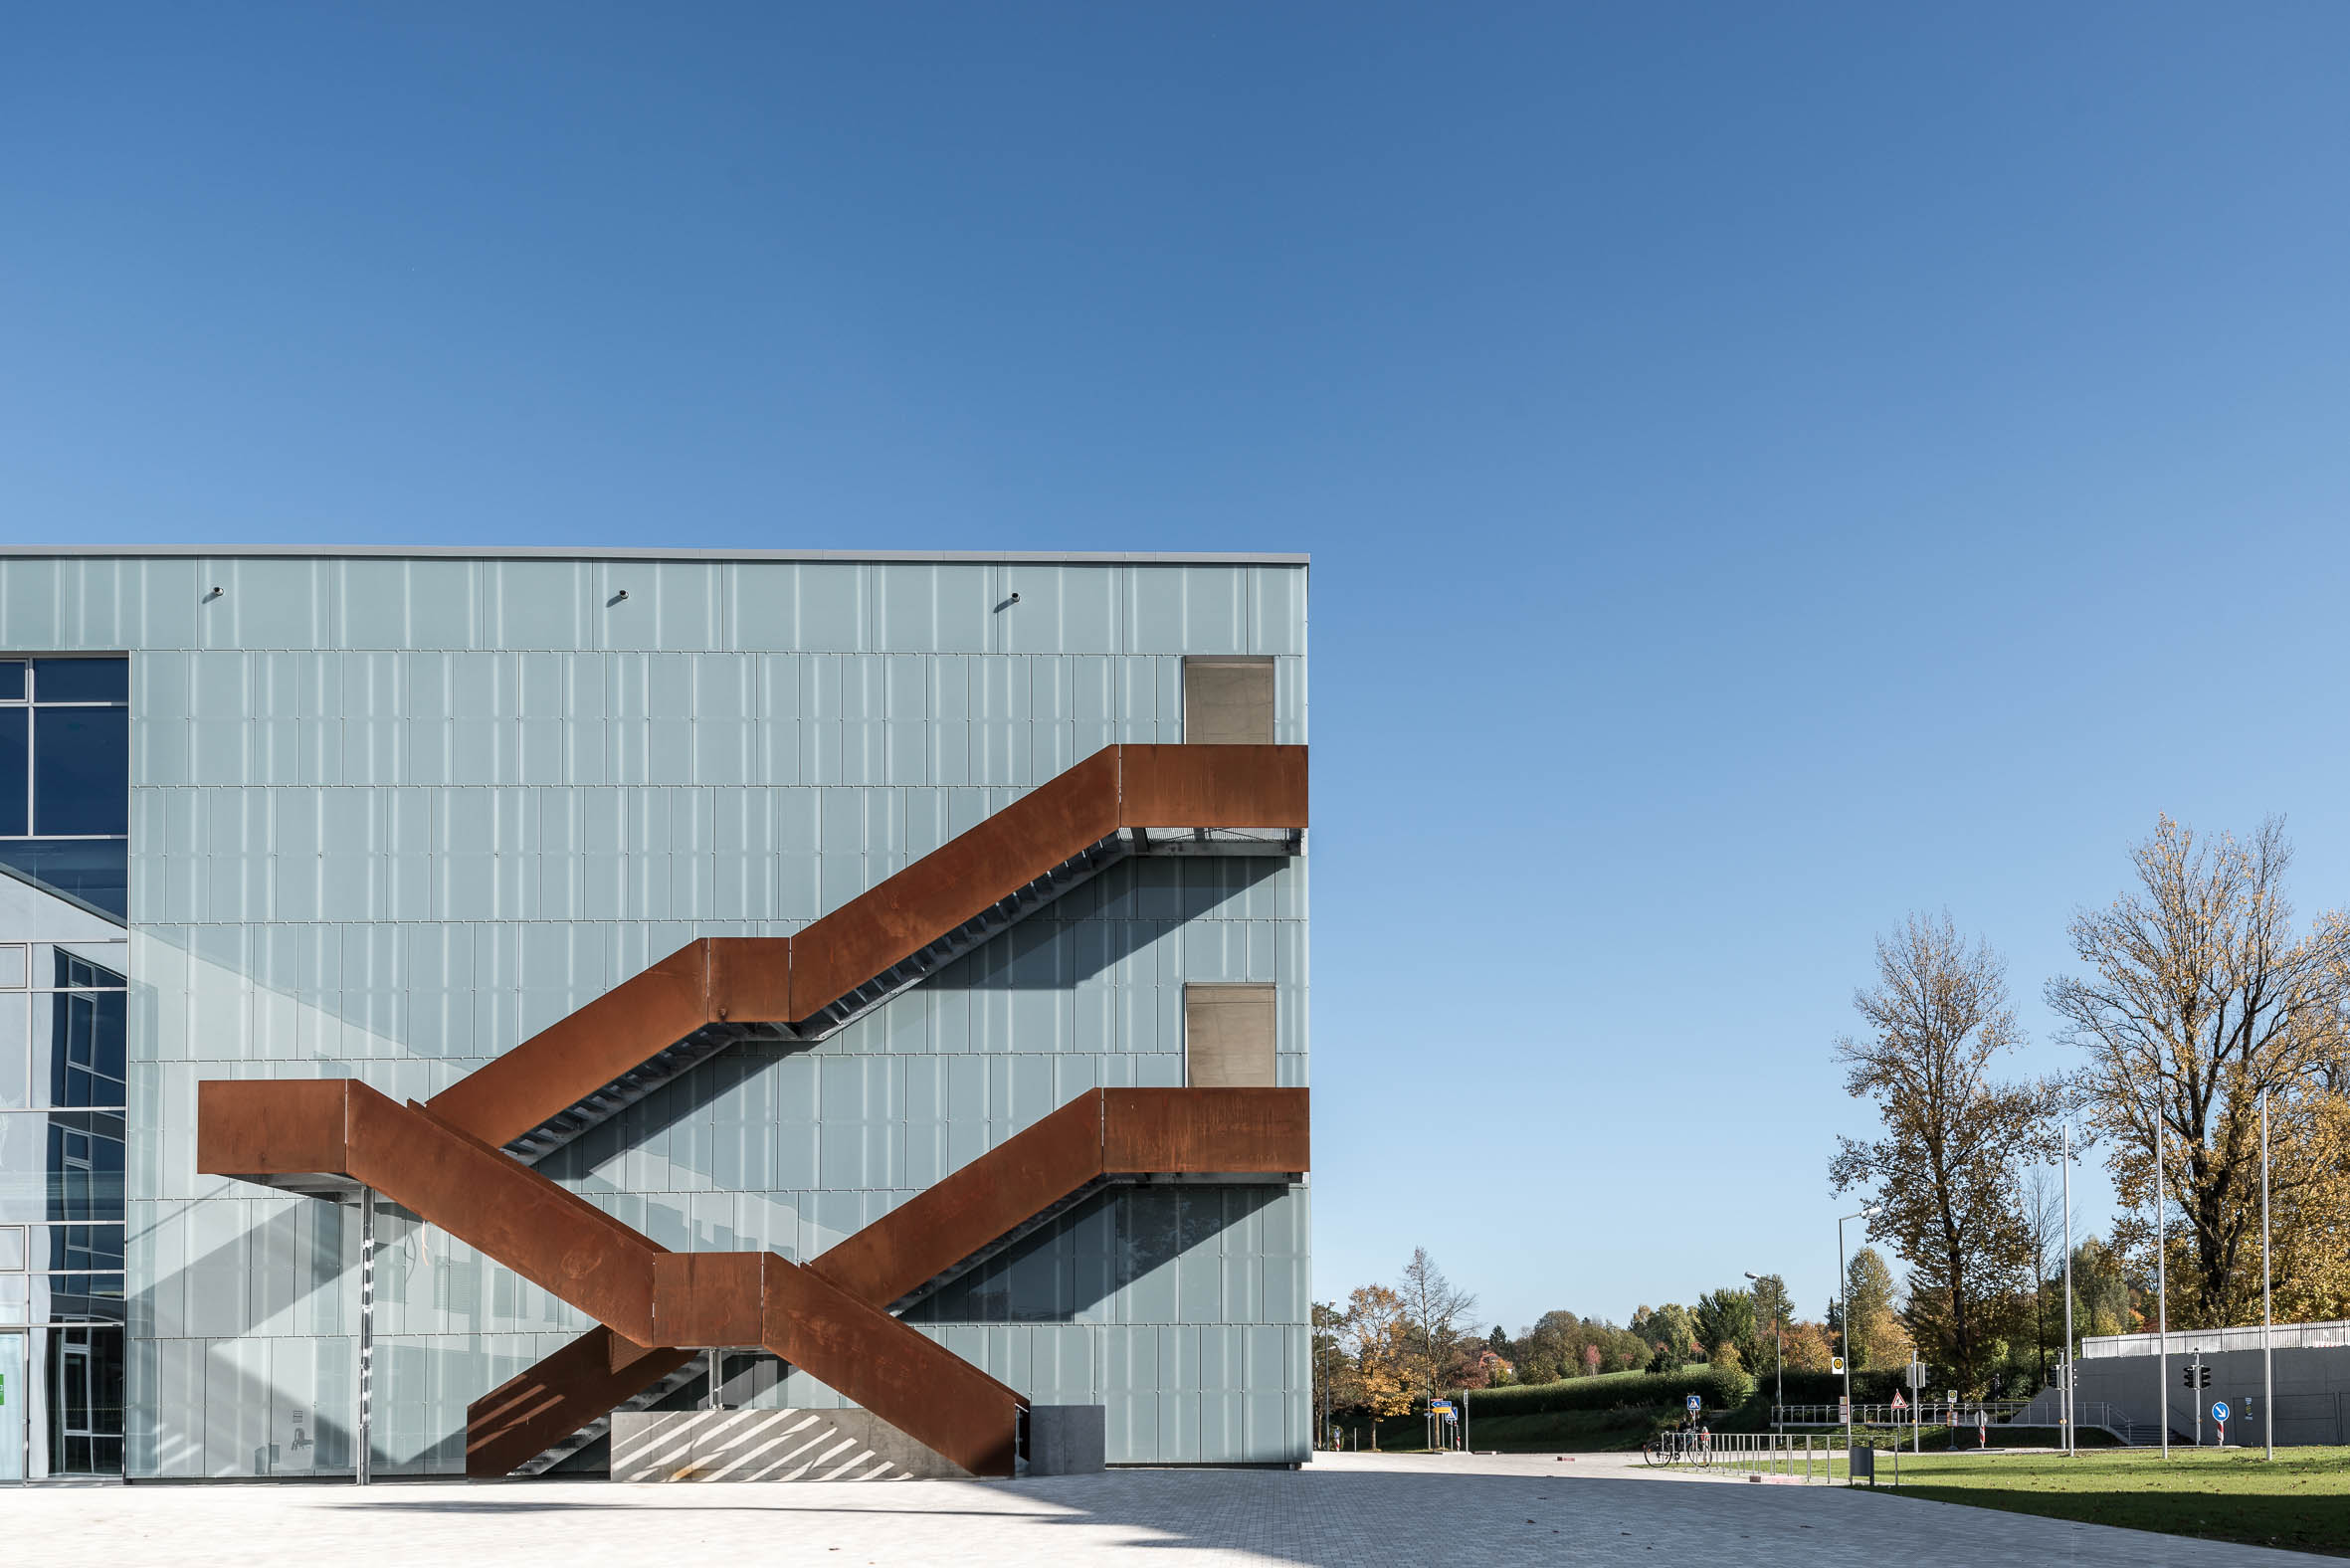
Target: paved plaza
{"type": "Point", "coordinates": [1343, 1509]}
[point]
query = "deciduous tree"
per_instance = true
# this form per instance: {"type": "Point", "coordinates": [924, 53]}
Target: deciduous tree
{"type": "Point", "coordinates": [2199, 998]}
{"type": "Point", "coordinates": [1374, 1337]}
{"type": "Point", "coordinates": [1433, 1309]}
{"type": "Point", "coordinates": [1726, 1317]}
{"type": "Point", "coordinates": [1955, 1136]}
{"type": "Point", "coordinates": [1876, 1338]}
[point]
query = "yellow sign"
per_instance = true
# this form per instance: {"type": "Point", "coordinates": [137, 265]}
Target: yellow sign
{"type": "Point", "coordinates": [1836, 1363]}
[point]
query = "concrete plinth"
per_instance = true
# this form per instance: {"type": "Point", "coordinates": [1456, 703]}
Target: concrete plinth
{"type": "Point", "coordinates": [1067, 1440]}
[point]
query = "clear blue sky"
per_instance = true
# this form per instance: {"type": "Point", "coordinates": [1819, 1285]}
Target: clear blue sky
{"type": "Point", "coordinates": [1768, 469]}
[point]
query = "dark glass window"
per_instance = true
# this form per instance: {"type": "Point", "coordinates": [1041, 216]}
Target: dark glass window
{"type": "Point", "coordinates": [15, 772]}
{"type": "Point", "coordinates": [81, 679]}
{"type": "Point", "coordinates": [81, 770]}
{"type": "Point", "coordinates": [64, 777]}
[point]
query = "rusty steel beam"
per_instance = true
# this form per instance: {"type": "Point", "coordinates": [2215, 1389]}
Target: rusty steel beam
{"type": "Point", "coordinates": [902, 1375]}
{"type": "Point", "coordinates": [260, 1128]}
{"type": "Point", "coordinates": [759, 1301]}
{"type": "Point", "coordinates": [1102, 1134]}
{"type": "Point", "coordinates": [942, 1225]}
{"type": "Point", "coordinates": [538, 1407]}
{"type": "Point", "coordinates": [1050, 824]}
{"type": "Point", "coordinates": [789, 980]}
{"type": "Point", "coordinates": [639, 1291]}
{"type": "Point", "coordinates": [570, 1060]}
{"type": "Point", "coordinates": [1175, 786]}
{"type": "Point", "coordinates": [1206, 1131]}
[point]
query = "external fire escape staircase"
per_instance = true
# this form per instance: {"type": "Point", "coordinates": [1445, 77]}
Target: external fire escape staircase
{"type": "Point", "coordinates": [460, 1161]}
{"type": "Point", "coordinates": [1121, 801]}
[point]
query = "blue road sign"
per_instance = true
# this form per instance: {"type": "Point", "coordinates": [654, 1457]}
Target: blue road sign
{"type": "Point", "coordinates": [1693, 1403]}
{"type": "Point", "coordinates": [2220, 1411]}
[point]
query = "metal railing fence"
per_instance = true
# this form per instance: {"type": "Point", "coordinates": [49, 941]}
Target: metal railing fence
{"type": "Point", "coordinates": [1933, 1413]}
{"type": "Point", "coordinates": [1797, 1455]}
{"type": "Point", "coordinates": [2186, 1341]}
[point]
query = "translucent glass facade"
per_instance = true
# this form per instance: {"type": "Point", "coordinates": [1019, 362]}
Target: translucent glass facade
{"type": "Point", "coordinates": [388, 817]}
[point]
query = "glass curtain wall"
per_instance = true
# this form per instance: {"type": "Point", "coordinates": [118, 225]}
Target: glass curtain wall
{"type": "Point", "coordinates": [64, 789]}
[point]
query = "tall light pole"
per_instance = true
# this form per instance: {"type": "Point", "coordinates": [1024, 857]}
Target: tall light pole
{"type": "Point", "coordinates": [1843, 1286]}
{"type": "Point", "coordinates": [2267, 1322]}
{"type": "Point", "coordinates": [2067, 1369]}
{"type": "Point", "coordinates": [2162, 1308]}
{"type": "Point", "coordinates": [1779, 1335]}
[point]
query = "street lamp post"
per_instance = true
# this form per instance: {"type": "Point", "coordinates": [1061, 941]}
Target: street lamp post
{"type": "Point", "coordinates": [2162, 1308]}
{"type": "Point", "coordinates": [2268, 1321]}
{"type": "Point", "coordinates": [1843, 1335]}
{"type": "Point", "coordinates": [1779, 1337]}
{"type": "Point", "coordinates": [2067, 1368]}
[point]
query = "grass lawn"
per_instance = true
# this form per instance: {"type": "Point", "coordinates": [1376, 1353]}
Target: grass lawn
{"type": "Point", "coordinates": [2301, 1501]}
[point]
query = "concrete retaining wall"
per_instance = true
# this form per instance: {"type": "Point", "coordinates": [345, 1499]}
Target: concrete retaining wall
{"type": "Point", "coordinates": [2312, 1391]}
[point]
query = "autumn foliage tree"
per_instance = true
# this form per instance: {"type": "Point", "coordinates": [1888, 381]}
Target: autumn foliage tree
{"type": "Point", "coordinates": [1373, 1372]}
{"type": "Point", "coordinates": [1955, 1136]}
{"type": "Point", "coordinates": [2199, 998]}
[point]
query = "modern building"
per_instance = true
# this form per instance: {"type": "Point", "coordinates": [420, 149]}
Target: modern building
{"type": "Point", "coordinates": [455, 1003]}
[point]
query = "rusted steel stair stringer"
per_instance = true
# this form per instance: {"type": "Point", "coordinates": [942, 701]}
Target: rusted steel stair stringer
{"type": "Point", "coordinates": [698, 1000]}
{"type": "Point", "coordinates": [1104, 1134]}
{"type": "Point", "coordinates": [258, 1130]}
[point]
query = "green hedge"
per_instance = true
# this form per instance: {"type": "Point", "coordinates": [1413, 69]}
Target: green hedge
{"type": "Point", "coordinates": [1872, 1387]}
{"type": "Point", "coordinates": [1716, 1386]}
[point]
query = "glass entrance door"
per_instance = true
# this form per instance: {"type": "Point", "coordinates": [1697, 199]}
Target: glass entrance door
{"type": "Point", "coordinates": [15, 1400]}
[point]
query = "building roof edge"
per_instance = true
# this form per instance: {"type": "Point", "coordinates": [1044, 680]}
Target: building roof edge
{"type": "Point", "coordinates": [622, 553]}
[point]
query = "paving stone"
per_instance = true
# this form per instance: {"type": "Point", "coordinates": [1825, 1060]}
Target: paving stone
{"type": "Point", "coordinates": [1342, 1510]}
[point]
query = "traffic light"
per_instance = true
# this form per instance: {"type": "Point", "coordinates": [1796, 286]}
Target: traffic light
{"type": "Point", "coordinates": [2186, 1377]}
{"type": "Point", "coordinates": [2194, 1377]}
{"type": "Point", "coordinates": [2205, 1381]}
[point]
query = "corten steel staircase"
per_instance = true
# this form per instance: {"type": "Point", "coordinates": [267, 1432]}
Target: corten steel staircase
{"type": "Point", "coordinates": [312, 1136]}
{"type": "Point", "coordinates": [1104, 1137]}
{"type": "Point", "coordinates": [458, 1161]}
{"type": "Point", "coordinates": [1121, 801]}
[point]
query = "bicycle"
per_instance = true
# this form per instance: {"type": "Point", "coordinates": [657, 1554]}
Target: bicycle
{"type": "Point", "coordinates": [1675, 1448]}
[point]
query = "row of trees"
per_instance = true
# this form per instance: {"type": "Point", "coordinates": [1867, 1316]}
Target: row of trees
{"type": "Point", "coordinates": [2198, 998]}
{"type": "Point", "coordinates": [1758, 1332]}
{"type": "Point", "coordinates": [1390, 1345]}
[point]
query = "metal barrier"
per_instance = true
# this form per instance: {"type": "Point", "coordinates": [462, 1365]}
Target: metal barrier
{"type": "Point", "coordinates": [1803, 1456]}
{"type": "Point", "coordinates": [1932, 1413]}
{"type": "Point", "coordinates": [1800, 1455]}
